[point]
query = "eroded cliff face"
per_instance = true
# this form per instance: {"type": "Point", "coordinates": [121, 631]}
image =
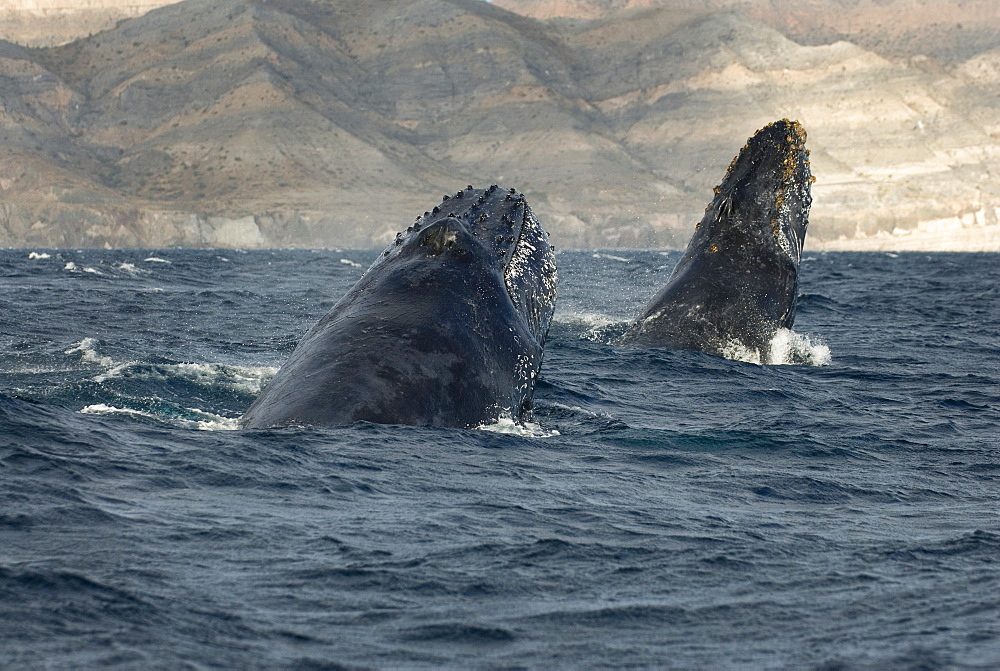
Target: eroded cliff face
{"type": "Point", "coordinates": [947, 30]}
{"type": "Point", "coordinates": [296, 123]}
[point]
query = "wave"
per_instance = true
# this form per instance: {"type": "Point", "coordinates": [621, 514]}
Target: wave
{"type": "Point", "coordinates": [201, 420]}
{"type": "Point", "coordinates": [140, 389]}
{"type": "Point", "coordinates": [242, 379]}
{"type": "Point", "coordinates": [87, 348]}
{"type": "Point", "coordinates": [130, 268]}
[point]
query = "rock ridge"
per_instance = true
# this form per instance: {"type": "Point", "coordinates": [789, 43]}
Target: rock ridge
{"type": "Point", "coordinates": [251, 123]}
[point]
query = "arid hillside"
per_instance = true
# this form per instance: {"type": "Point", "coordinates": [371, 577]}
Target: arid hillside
{"type": "Point", "coordinates": [947, 30]}
{"type": "Point", "coordinates": [42, 23]}
{"type": "Point", "coordinates": [334, 123]}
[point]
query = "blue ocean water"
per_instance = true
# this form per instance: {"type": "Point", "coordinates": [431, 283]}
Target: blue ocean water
{"type": "Point", "coordinates": [664, 509]}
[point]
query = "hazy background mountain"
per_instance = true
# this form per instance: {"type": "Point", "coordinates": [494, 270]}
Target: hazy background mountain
{"type": "Point", "coordinates": [334, 123]}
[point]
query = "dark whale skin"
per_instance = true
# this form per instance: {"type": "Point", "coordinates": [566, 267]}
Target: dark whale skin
{"type": "Point", "coordinates": [445, 329]}
{"type": "Point", "coordinates": [737, 282]}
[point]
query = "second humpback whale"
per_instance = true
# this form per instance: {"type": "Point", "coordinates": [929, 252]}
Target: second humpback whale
{"type": "Point", "coordinates": [444, 329]}
{"type": "Point", "coordinates": [736, 283]}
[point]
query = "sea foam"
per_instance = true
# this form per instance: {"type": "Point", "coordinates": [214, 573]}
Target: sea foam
{"type": "Point", "coordinates": [786, 348]}
{"type": "Point", "coordinates": [506, 425]}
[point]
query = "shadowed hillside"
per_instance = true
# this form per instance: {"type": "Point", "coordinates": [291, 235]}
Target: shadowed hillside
{"type": "Point", "coordinates": [299, 123]}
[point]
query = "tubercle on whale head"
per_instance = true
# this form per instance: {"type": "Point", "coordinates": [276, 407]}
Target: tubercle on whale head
{"type": "Point", "coordinates": [495, 230]}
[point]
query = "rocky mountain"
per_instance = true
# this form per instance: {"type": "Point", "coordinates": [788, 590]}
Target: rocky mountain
{"type": "Point", "coordinates": [946, 30]}
{"type": "Point", "coordinates": [334, 123]}
{"type": "Point", "coordinates": [52, 22]}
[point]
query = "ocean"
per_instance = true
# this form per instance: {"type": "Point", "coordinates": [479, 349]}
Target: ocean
{"type": "Point", "coordinates": [837, 509]}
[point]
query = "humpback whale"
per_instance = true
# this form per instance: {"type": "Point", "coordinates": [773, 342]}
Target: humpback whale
{"type": "Point", "coordinates": [444, 329]}
{"type": "Point", "coordinates": [736, 283]}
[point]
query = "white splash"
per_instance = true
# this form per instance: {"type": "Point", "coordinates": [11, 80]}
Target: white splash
{"type": "Point", "coordinates": [737, 351]}
{"type": "Point", "coordinates": [791, 348]}
{"type": "Point", "coordinates": [156, 259]}
{"type": "Point", "coordinates": [786, 348]}
{"type": "Point", "coordinates": [34, 256]}
{"type": "Point", "coordinates": [506, 425]}
{"type": "Point", "coordinates": [612, 257]}
{"type": "Point", "coordinates": [352, 264]}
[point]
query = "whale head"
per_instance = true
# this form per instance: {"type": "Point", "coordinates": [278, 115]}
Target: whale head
{"type": "Point", "coordinates": [737, 281]}
{"type": "Point", "coordinates": [762, 204]}
{"type": "Point", "coordinates": [445, 328]}
{"type": "Point", "coordinates": [493, 228]}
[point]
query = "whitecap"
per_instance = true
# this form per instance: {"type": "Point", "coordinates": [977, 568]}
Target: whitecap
{"type": "Point", "coordinates": [156, 259]}
{"type": "Point", "coordinates": [246, 379]}
{"type": "Point", "coordinates": [73, 268]}
{"type": "Point", "coordinates": [129, 268]}
{"type": "Point", "coordinates": [104, 409]}
{"type": "Point", "coordinates": [353, 264]}
{"type": "Point", "coordinates": [612, 257]}
{"type": "Point", "coordinates": [34, 256]}
{"type": "Point", "coordinates": [210, 422]}
{"type": "Point", "coordinates": [87, 348]}
{"type": "Point", "coordinates": [207, 421]}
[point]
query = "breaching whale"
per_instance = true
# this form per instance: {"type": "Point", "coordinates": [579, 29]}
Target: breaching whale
{"type": "Point", "coordinates": [444, 329]}
{"type": "Point", "coordinates": [736, 283]}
